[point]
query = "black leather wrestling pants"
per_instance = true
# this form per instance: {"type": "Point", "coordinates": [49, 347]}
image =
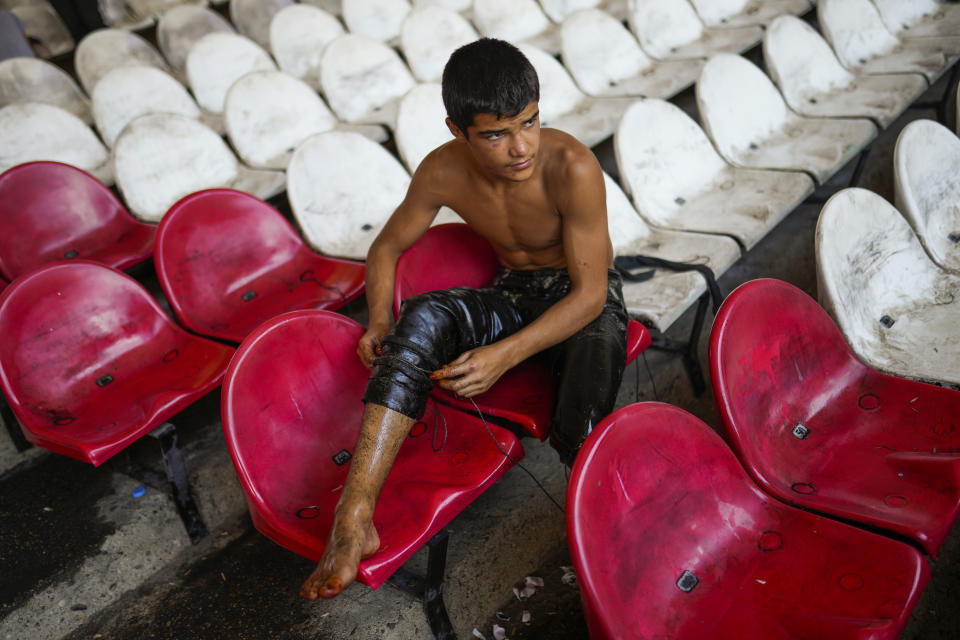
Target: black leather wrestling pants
{"type": "Point", "coordinates": [436, 327]}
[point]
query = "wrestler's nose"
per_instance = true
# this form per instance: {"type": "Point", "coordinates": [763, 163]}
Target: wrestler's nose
{"type": "Point", "coordinates": [518, 147]}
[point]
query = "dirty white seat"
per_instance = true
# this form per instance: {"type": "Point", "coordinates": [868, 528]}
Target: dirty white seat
{"type": "Point", "coordinates": [920, 18]}
{"type": "Point", "coordinates": [517, 21]}
{"type": "Point", "coordinates": [671, 29]}
{"type": "Point", "coordinates": [452, 5]}
{"type": "Point", "coordinates": [42, 23]}
{"type": "Point", "coordinates": [36, 80]}
{"type": "Point", "coordinates": [429, 35]}
{"type": "Point", "coordinates": [606, 60]}
{"type": "Point", "coordinates": [563, 106]}
{"type": "Point", "coordinates": [180, 27]}
{"type": "Point", "coordinates": [342, 188]}
{"type": "Point", "coordinates": [678, 180]}
{"type": "Point", "coordinates": [421, 128]}
{"type": "Point", "coordinates": [814, 83]}
{"type": "Point", "coordinates": [217, 60]}
{"type": "Point", "coordinates": [161, 157]}
{"type": "Point", "coordinates": [137, 14]}
{"type": "Point", "coordinates": [897, 309]}
{"type": "Point", "coordinates": [129, 92]}
{"type": "Point", "coordinates": [363, 79]}
{"type": "Point", "coordinates": [863, 44]}
{"type": "Point", "coordinates": [333, 7]}
{"type": "Point", "coordinates": [35, 131]}
{"type": "Point", "coordinates": [560, 10]}
{"type": "Point", "coordinates": [269, 113]}
{"type": "Point", "coordinates": [421, 124]}
{"type": "Point", "coordinates": [252, 18]}
{"type": "Point", "coordinates": [738, 13]}
{"type": "Point", "coordinates": [102, 50]}
{"type": "Point", "coordinates": [762, 132]}
{"type": "Point", "coordinates": [926, 175]}
{"type": "Point", "coordinates": [377, 19]}
{"type": "Point", "coordinates": [298, 35]}
{"type": "Point", "coordinates": [662, 299]}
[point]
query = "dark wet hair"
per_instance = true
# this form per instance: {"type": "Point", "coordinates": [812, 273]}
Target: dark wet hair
{"type": "Point", "coordinates": [487, 76]}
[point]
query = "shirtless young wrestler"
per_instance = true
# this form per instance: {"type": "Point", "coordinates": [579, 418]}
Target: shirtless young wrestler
{"type": "Point", "coordinates": [538, 197]}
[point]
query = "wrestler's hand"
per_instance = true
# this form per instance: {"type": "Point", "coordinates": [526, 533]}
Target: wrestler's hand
{"type": "Point", "coordinates": [369, 346]}
{"type": "Point", "coordinates": [474, 371]}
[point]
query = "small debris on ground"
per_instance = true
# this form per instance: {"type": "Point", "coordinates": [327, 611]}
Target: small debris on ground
{"type": "Point", "coordinates": [569, 576]}
{"type": "Point", "coordinates": [499, 633]}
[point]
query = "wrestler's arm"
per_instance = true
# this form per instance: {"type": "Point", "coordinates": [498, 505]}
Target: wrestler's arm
{"type": "Point", "coordinates": [586, 245]}
{"type": "Point", "coordinates": [407, 223]}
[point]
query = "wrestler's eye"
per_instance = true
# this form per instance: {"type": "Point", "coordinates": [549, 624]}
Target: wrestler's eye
{"type": "Point", "coordinates": [493, 136]}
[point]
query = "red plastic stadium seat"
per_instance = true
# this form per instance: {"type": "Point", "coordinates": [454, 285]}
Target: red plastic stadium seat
{"type": "Point", "coordinates": [90, 362]}
{"type": "Point", "coordinates": [291, 413]}
{"type": "Point", "coordinates": [228, 261]}
{"type": "Point", "coordinates": [671, 539]}
{"type": "Point", "coordinates": [523, 395]}
{"type": "Point", "coordinates": [816, 427]}
{"type": "Point", "coordinates": [3, 284]}
{"type": "Point", "coordinates": [53, 211]}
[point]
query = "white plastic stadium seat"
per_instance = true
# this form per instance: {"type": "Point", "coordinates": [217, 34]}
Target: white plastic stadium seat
{"type": "Point", "coordinates": [517, 21]}
{"type": "Point", "coordinates": [429, 35]}
{"type": "Point", "coordinates": [864, 45]}
{"type": "Point", "coordinates": [137, 14]}
{"type": "Point", "coordinates": [129, 92]}
{"type": "Point", "coordinates": [333, 7]}
{"type": "Point", "coordinates": [252, 18]}
{"type": "Point", "coordinates": [161, 157]}
{"type": "Point", "coordinates": [217, 60]}
{"type": "Point", "coordinates": [606, 60]}
{"type": "Point", "coordinates": [452, 5]}
{"type": "Point", "coordinates": [342, 188]}
{"type": "Point", "coordinates": [421, 124]}
{"type": "Point", "coordinates": [563, 106]}
{"type": "Point", "coordinates": [180, 27]}
{"type": "Point", "coordinates": [560, 10]}
{"type": "Point", "coordinates": [363, 79]}
{"type": "Point", "coordinates": [298, 35]}
{"type": "Point", "coordinates": [42, 23]}
{"type": "Point", "coordinates": [671, 30]}
{"type": "Point", "coordinates": [377, 19]}
{"type": "Point", "coordinates": [34, 131]}
{"type": "Point", "coordinates": [678, 180]}
{"type": "Point", "coordinates": [920, 18]}
{"type": "Point", "coordinates": [269, 113]}
{"type": "Point", "coordinates": [662, 299]}
{"type": "Point", "coordinates": [102, 50]}
{"type": "Point", "coordinates": [738, 13]}
{"type": "Point", "coordinates": [762, 132]}
{"type": "Point", "coordinates": [814, 83]}
{"type": "Point", "coordinates": [36, 80]}
{"type": "Point", "coordinates": [897, 309]}
{"type": "Point", "coordinates": [926, 174]}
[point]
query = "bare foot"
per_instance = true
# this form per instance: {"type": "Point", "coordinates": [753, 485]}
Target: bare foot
{"type": "Point", "coordinates": [351, 540]}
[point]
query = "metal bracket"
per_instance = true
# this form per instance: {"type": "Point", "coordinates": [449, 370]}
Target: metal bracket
{"type": "Point", "coordinates": [166, 435]}
{"type": "Point", "coordinates": [429, 588]}
{"type": "Point", "coordinates": [13, 426]}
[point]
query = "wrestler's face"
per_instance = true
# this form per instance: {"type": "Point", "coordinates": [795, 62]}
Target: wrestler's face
{"type": "Point", "coordinates": [505, 147]}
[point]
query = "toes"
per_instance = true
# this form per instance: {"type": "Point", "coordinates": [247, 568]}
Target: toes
{"type": "Point", "coordinates": [332, 587]}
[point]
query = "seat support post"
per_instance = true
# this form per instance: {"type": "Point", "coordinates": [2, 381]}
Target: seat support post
{"type": "Point", "coordinates": [166, 435]}
{"type": "Point", "coordinates": [13, 426]}
{"type": "Point", "coordinates": [430, 588]}
{"type": "Point", "coordinates": [689, 349]}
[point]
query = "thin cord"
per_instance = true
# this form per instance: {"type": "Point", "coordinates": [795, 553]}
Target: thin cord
{"type": "Point", "coordinates": [503, 451]}
{"type": "Point", "coordinates": [656, 395]}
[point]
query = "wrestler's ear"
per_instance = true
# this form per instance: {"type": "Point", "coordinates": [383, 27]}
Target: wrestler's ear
{"type": "Point", "coordinates": [455, 130]}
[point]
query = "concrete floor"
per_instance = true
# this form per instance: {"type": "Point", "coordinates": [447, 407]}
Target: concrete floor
{"type": "Point", "coordinates": [81, 558]}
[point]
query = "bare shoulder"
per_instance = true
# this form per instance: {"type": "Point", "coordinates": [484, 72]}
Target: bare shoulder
{"type": "Point", "coordinates": [569, 165]}
{"type": "Point", "coordinates": [445, 164]}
